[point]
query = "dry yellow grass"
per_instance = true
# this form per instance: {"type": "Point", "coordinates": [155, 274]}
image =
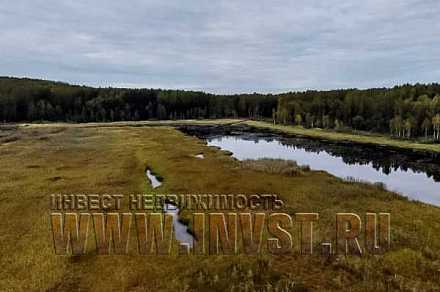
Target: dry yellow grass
{"type": "Point", "coordinates": [375, 139]}
{"type": "Point", "coordinates": [100, 159]}
{"type": "Point", "coordinates": [364, 138]}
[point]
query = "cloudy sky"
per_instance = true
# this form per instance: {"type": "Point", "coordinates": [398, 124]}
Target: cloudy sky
{"type": "Point", "coordinates": [222, 46]}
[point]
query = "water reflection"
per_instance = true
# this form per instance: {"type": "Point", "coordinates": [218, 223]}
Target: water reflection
{"type": "Point", "coordinates": [180, 229]}
{"type": "Point", "coordinates": [155, 183]}
{"type": "Point", "coordinates": [414, 176]}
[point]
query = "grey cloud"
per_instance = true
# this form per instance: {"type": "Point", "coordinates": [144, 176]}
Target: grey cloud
{"type": "Point", "coordinates": [222, 46]}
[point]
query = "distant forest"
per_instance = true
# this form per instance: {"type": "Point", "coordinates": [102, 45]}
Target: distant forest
{"type": "Point", "coordinates": [406, 111]}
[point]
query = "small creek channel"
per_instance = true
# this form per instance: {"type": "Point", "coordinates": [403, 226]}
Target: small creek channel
{"type": "Point", "coordinates": [180, 229]}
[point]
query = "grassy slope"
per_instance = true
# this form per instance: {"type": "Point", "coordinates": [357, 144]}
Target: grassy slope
{"type": "Point", "coordinates": [332, 135]}
{"type": "Point", "coordinates": [50, 159]}
{"type": "Point", "coordinates": [372, 138]}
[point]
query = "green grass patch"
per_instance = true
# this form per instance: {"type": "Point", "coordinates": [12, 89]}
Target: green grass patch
{"type": "Point", "coordinates": [103, 159]}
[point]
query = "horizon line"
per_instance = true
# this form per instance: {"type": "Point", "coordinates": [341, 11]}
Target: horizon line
{"type": "Point", "coordinates": [207, 90]}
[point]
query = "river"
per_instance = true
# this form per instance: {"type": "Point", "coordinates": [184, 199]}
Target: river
{"type": "Point", "coordinates": [398, 173]}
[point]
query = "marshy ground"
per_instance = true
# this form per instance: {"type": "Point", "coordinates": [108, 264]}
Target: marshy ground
{"type": "Point", "coordinates": [37, 161]}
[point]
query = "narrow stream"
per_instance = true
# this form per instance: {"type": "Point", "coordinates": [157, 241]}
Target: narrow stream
{"type": "Point", "coordinates": [180, 230]}
{"type": "Point", "coordinates": [152, 179]}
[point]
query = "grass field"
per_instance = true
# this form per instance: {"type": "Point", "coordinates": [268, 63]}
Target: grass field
{"type": "Point", "coordinates": [38, 160]}
{"type": "Point", "coordinates": [363, 138]}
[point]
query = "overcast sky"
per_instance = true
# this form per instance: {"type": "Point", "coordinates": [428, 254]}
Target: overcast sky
{"type": "Point", "coordinates": [222, 46]}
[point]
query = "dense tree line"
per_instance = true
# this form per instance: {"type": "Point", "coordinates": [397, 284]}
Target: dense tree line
{"type": "Point", "coordinates": [35, 100]}
{"type": "Point", "coordinates": [403, 111]}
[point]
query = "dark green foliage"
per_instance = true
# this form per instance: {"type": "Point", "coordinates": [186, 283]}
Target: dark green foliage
{"type": "Point", "coordinates": [38, 100]}
{"type": "Point", "coordinates": [403, 111]}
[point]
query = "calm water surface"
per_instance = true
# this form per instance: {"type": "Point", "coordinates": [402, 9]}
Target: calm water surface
{"type": "Point", "coordinates": [415, 184]}
{"type": "Point", "coordinates": [180, 230]}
